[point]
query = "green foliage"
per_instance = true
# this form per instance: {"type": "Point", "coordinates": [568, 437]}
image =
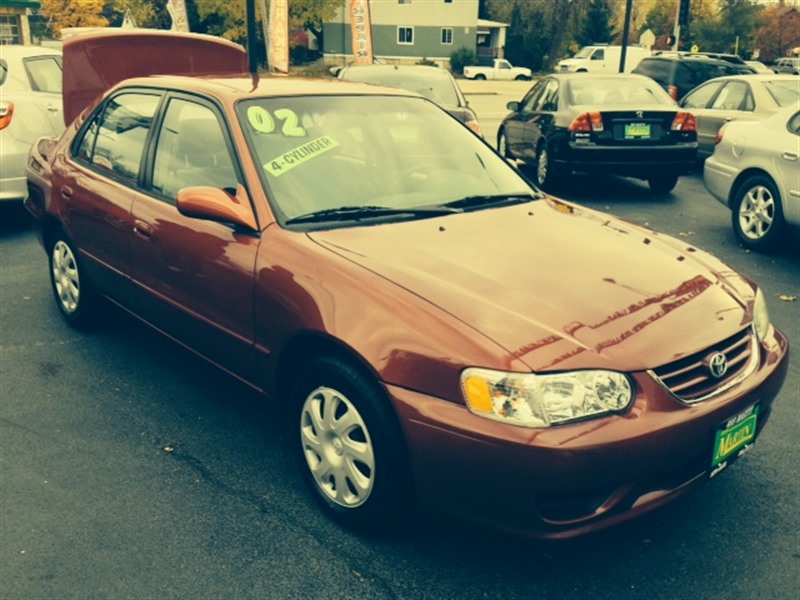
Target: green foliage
{"type": "Point", "coordinates": [461, 58]}
{"type": "Point", "coordinates": [596, 24]}
{"type": "Point", "coordinates": [731, 29]}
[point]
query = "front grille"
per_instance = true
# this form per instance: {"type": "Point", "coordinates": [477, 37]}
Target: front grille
{"type": "Point", "coordinates": [691, 379]}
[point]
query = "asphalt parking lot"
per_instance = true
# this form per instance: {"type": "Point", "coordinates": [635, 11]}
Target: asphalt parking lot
{"type": "Point", "coordinates": [129, 469]}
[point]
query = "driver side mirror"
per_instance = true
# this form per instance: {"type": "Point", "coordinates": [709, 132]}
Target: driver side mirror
{"type": "Point", "coordinates": [216, 204]}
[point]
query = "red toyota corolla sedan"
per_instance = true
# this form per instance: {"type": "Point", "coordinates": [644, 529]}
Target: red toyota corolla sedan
{"type": "Point", "coordinates": [440, 332]}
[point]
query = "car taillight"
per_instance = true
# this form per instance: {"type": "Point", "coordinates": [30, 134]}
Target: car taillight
{"type": "Point", "coordinates": [587, 122]}
{"type": "Point", "coordinates": [684, 121]}
{"type": "Point", "coordinates": [720, 133]}
{"type": "Point", "coordinates": [6, 112]}
{"type": "Point", "coordinates": [673, 92]}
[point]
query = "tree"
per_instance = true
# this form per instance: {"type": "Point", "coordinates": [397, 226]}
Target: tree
{"type": "Point", "coordinates": [73, 13]}
{"type": "Point", "coordinates": [152, 14]}
{"type": "Point", "coordinates": [596, 24]}
{"type": "Point", "coordinates": [660, 18]}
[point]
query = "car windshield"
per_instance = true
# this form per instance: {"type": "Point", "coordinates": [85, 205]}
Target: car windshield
{"type": "Point", "coordinates": [584, 52]}
{"type": "Point", "coordinates": [359, 155]}
{"type": "Point", "coordinates": [783, 92]}
{"type": "Point", "coordinates": [431, 83]}
{"type": "Point", "coordinates": [617, 91]}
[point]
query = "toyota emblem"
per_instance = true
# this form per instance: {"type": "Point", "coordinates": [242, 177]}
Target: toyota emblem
{"type": "Point", "coordinates": [718, 364]}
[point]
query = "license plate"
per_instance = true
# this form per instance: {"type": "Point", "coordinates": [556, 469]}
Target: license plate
{"type": "Point", "coordinates": [734, 438]}
{"type": "Point", "coordinates": [637, 130]}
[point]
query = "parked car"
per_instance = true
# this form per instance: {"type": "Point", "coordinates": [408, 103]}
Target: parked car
{"type": "Point", "coordinates": [30, 107]}
{"type": "Point", "coordinates": [758, 66]}
{"type": "Point", "coordinates": [680, 73]}
{"type": "Point", "coordinates": [500, 69]}
{"type": "Point", "coordinates": [617, 124]}
{"type": "Point", "coordinates": [755, 171]}
{"type": "Point", "coordinates": [738, 97]}
{"type": "Point", "coordinates": [434, 83]}
{"type": "Point", "coordinates": [789, 64]}
{"type": "Point", "coordinates": [602, 59]}
{"type": "Point", "coordinates": [416, 307]}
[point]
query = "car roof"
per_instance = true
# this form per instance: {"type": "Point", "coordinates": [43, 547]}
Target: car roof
{"type": "Point", "coordinates": [15, 51]}
{"type": "Point", "coordinates": [589, 75]}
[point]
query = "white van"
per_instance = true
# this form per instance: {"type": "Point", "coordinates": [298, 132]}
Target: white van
{"type": "Point", "coordinates": [602, 59]}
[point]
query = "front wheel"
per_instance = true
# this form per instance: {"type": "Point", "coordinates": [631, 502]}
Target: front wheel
{"type": "Point", "coordinates": [480, 77]}
{"type": "Point", "coordinates": [662, 184]}
{"type": "Point", "coordinates": [75, 297]}
{"type": "Point", "coordinates": [352, 453]}
{"type": "Point", "coordinates": [756, 213]}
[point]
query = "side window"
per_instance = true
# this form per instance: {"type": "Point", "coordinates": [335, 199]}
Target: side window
{"type": "Point", "coordinates": [191, 151]}
{"type": "Point", "coordinates": [700, 97]}
{"type": "Point", "coordinates": [734, 96]}
{"type": "Point", "coordinates": [549, 99]}
{"type": "Point", "coordinates": [121, 133]}
{"type": "Point", "coordinates": [532, 99]}
{"type": "Point", "coordinates": [86, 146]}
{"type": "Point", "coordinates": [599, 54]}
{"type": "Point", "coordinates": [44, 74]}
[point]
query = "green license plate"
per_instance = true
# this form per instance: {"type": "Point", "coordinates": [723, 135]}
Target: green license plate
{"type": "Point", "coordinates": [734, 438]}
{"type": "Point", "coordinates": [637, 131]}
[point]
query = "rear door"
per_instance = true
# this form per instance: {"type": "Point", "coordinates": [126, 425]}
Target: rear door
{"type": "Point", "coordinates": [98, 185]}
{"type": "Point", "coordinates": [716, 103]}
{"type": "Point", "coordinates": [195, 277]}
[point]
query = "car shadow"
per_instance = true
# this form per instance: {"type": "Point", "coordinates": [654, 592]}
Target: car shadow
{"type": "Point", "coordinates": [14, 218]}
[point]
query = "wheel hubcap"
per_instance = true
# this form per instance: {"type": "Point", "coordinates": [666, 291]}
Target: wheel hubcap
{"type": "Point", "coordinates": [337, 447]}
{"type": "Point", "coordinates": [756, 212]}
{"type": "Point", "coordinates": [541, 167]}
{"type": "Point", "coordinates": [65, 277]}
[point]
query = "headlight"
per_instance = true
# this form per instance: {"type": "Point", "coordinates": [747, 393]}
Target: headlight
{"type": "Point", "coordinates": [536, 400]}
{"type": "Point", "coordinates": [760, 316]}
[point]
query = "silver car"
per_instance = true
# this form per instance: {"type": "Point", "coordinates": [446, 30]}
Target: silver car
{"type": "Point", "coordinates": [30, 107]}
{"type": "Point", "coordinates": [755, 171]}
{"type": "Point", "coordinates": [734, 98]}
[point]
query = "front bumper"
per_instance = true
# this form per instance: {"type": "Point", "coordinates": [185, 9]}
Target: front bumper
{"type": "Point", "coordinates": [631, 161]}
{"type": "Point", "coordinates": [570, 480]}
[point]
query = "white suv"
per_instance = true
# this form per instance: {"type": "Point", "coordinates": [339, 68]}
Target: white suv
{"type": "Point", "coordinates": [788, 65]}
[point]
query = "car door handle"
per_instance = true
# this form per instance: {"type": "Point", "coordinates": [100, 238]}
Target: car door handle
{"type": "Point", "coordinates": [53, 109]}
{"type": "Point", "coordinates": [66, 192]}
{"type": "Point", "coordinates": [789, 156]}
{"type": "Point", "coordinates": [142, 229]}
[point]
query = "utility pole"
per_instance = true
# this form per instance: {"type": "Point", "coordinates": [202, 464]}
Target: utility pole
{"type": "Point", "coordinates": [625, 32]}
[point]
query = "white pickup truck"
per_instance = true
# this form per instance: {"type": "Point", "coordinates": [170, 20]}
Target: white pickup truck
{"type": "Point", "coordinates": [501, 69]}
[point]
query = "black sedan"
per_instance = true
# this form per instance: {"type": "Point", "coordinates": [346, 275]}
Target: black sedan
{"type": "Point", "coordinates": [618, 124]}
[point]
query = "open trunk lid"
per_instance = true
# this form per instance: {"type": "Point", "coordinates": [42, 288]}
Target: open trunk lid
{"type": "Point", "coordinates": [97, 60]}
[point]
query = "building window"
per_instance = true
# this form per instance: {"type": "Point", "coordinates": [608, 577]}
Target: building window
{"type": "Point", "coordinates": [10, 30]}
{"type": "Point", "coordinates": [405, 35]}
{"type": "Point", "coordinates": [447, 35]}
{"type": "Point", "coordinates": [448, 1]}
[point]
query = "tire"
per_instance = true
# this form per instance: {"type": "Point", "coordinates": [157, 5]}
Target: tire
{"type": "Point", "coordinates": [662, 184]}
{"type": "Point", "coordinates": [75, 297]}
{"type": "Point", "coordinates": [757, 215]}
{"type": "Point", "coordinates": [502, 144]}
{"type": "Point", "coordinates": [480, 77]}
{"type": "Point", "coordinates": [545, 172]}
{"type": "Point", "coordinates": [351, 452]}
{"type": "Point", "coordinates": [521, 78]}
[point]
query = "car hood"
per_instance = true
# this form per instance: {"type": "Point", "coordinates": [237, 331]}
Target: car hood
{"type": "Point", "coordinates": [97, 60]}
{"type": "Point", "coordinates": [558, 286]}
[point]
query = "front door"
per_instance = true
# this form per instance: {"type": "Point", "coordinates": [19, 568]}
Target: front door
{"type": "Point", "coordinates": [195, 277]}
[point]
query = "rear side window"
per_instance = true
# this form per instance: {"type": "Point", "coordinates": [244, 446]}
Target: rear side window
{"type": "Point", "coordinates": [114, 141]}
{"type": "Point", "coordinates": [700, 97]}
{"type": "Point", "coordinates": [655, 69]}
{"type": "Point", "coordinates": [44, 74]}
{"type": "Point", "coordinates": [734, 96]}
{"type": "Point", "coordinates": [783, 92]}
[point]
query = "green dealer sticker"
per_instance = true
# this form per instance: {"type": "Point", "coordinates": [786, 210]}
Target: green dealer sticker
{"type": "Point", "coordinates": [303, 153]}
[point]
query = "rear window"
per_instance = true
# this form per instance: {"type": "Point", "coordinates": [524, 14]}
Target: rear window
{"type": "Point", "coordinates": [783, 92]}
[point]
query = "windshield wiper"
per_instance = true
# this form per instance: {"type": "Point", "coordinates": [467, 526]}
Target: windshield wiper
{"type": "Point", "coordinates": [357, 213]}
{"type": "Point", "coordinates": [475, 201]}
